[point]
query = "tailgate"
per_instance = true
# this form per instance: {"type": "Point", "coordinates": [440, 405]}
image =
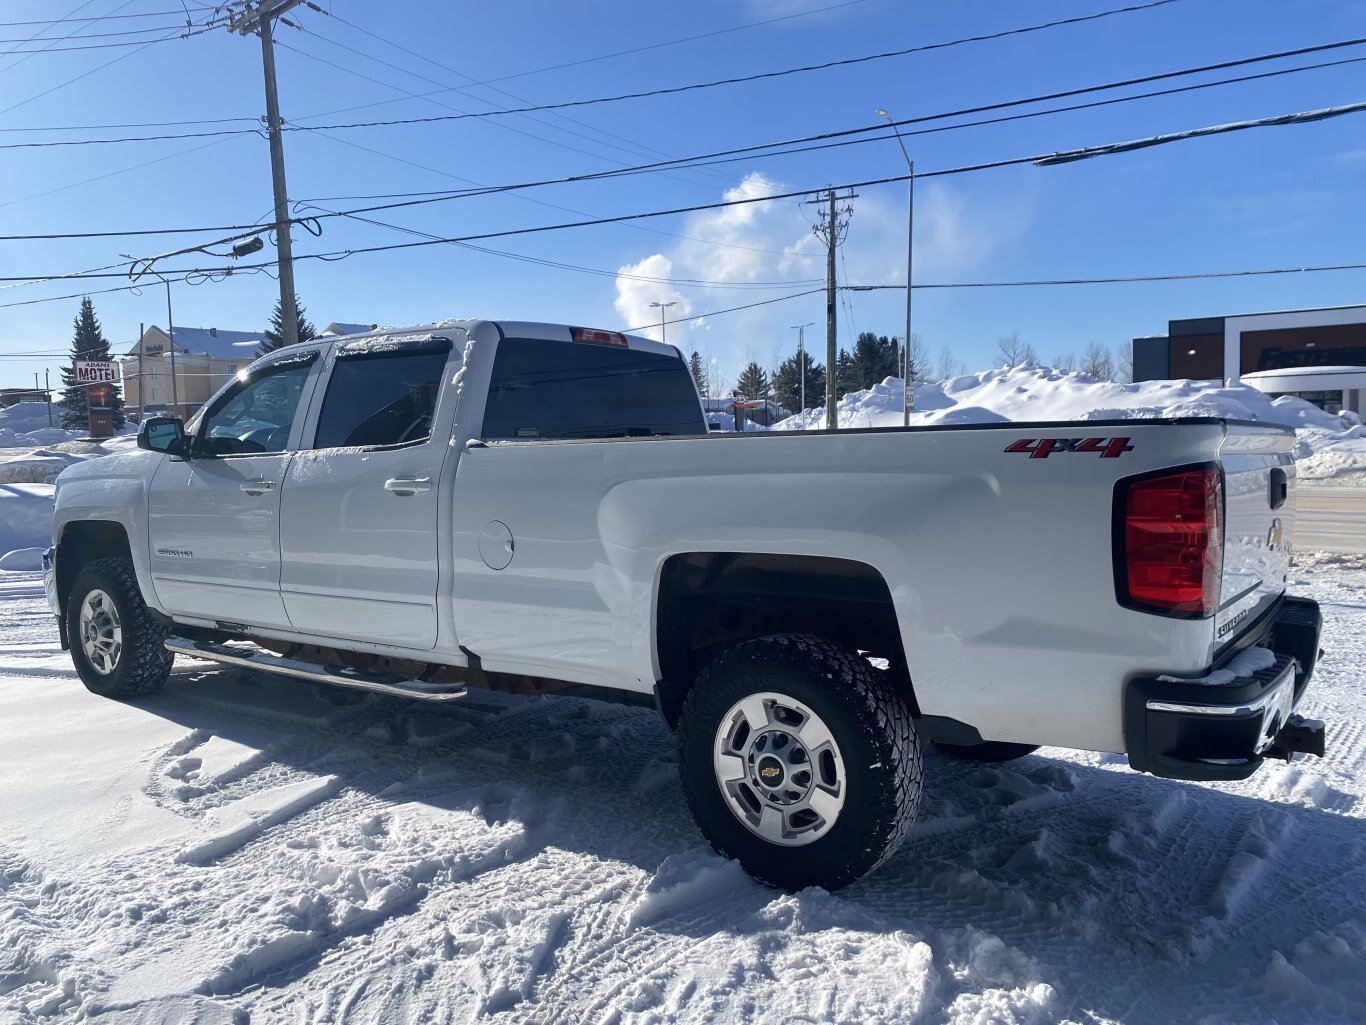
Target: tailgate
{"type": "Point", "coordinates": [1259, 520]}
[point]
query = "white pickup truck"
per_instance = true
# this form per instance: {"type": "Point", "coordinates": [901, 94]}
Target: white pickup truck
{"type": "Point", "coordinates": [538, 508]}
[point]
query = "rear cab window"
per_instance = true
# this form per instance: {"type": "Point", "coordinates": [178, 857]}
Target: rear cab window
{"type": "Point", "coordinates": [382, 393]}
{"type": "Point", "coordinates": [557, 389]}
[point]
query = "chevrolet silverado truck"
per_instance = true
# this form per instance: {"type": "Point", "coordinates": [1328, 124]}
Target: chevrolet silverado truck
{"type": "Point", "coordinates": [540, 509]}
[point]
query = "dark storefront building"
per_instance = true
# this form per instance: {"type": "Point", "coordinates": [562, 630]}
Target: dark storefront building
{"type": "Point", "coordinates": [1319, 355]}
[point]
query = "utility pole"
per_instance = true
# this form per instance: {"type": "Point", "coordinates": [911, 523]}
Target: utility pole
{"type": "Point", "coordinates": [908, 401]}
{"type": "Point", "coordinates": [47, 387]}
{"type": "Point", "coordinates": [259, 19]}
{"type": "Point", "coordinates": [831, 232]}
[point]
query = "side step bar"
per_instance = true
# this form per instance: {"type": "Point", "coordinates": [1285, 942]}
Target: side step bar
{"type": "Point", "coordinates": [391, 684]}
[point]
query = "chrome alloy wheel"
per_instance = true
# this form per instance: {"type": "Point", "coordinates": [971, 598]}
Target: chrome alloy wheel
{"type": "Point", "coordinates": [779, 768]}
{"type": "Point", "coordinates": [101, 632]}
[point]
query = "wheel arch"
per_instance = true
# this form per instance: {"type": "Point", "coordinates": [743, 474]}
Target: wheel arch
{"type": "Point", "coordinates": [82, 542]}
{"type": "Point", "coordinates": [707, 601]}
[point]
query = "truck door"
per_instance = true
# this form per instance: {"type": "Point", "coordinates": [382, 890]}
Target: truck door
{"type": "Point", "coordinates": [359, 517]}
{"type": "Point", "coordinates": [214, 518]}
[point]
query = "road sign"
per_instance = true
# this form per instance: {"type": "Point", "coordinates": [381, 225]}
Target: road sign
{"type": "Point", "coordinates": [97, 373]}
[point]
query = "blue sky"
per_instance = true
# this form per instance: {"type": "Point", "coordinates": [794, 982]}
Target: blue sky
{"type": "Point", "coordinates": [1267, 198]}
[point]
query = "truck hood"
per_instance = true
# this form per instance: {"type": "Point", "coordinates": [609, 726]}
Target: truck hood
{"type": "Point", "coordinates": [137, 463]}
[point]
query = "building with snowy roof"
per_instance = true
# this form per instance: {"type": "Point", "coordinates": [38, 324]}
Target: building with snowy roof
{"type": "Point", "coordinates": [204, 358]}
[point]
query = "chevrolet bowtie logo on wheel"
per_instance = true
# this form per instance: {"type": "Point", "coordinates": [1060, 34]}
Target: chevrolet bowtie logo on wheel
{"type": "Point", "coordinates": [769, 772]}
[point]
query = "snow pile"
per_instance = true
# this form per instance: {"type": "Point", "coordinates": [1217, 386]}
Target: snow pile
{"type": "Point", "coordinates": [247, 848]}
{"type": "Point", "coordinates": [25, 525]}
{"type": "Point", "coordinates": [1330, 445]}
{"type": "Point", "coordinates": [25, 425]}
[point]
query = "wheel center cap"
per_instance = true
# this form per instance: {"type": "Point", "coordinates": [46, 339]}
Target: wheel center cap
{"type": "Point", "coordinates": [770, 772]}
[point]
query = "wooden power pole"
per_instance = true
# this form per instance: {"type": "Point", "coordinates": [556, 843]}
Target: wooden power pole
{"type": "Point", "coordinates": [258, 18]}
{"type": "Point", "coordinates": [831, 230]}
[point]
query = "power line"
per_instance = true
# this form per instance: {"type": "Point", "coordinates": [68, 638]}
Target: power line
{"type": "Point", "coordinates": [924, 48]}
{"type": "Point", "coordinates": [559, 265]}
{"type": "Point", "coordinates": [103, 17]}
{"type": "Point", "coordinates": [873, 132]}
{"type": "Point", "coordinates": [97, 35]}
{"type": "Point", "coordinates": [635, 149]}
{"type": "Point", "coordinates": [876, 133]}
{"type": "Point", "coordinates": [1041, 283]}
{"type": "Point", "coordinates": [1044, 159]}
{"type": "Point", "coordinates": [1043, 97]}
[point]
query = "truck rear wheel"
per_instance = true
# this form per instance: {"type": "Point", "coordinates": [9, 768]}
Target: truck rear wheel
{"type": "Point", "coordinates": [800, 760]}
{"type": "Point", "coordinates": [116, 645]}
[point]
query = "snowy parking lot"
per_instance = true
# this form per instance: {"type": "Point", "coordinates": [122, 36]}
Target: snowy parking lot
{"type": "Point", "coordinates": [245, 848]}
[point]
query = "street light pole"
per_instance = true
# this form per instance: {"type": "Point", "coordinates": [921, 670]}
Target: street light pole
{"type": "Point", "coordinates": [170, 334]}
{"type": "Point", "coordinates": [801, 358]}
{"type": "Point", "coordinates": [908, 401]}
{"type": "Point", "coordinates": [663, 331]}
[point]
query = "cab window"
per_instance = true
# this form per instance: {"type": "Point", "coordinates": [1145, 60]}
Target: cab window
{"type": "Point", "coordinates": [382, 395]}
{"type": "Point", "coordinates": [256, 416]}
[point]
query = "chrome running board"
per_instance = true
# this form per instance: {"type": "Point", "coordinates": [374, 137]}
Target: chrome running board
{"type": "Point", "coordinates": [392, 684]}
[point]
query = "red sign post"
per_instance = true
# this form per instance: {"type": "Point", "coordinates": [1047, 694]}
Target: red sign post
{"type": "Point", "coordinates": [99, 379]}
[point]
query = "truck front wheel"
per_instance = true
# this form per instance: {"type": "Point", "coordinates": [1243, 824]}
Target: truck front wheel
{"type": "Point", "coordinates": [800, 760]}
{"type": "Point", "coordinates": [116, 645]}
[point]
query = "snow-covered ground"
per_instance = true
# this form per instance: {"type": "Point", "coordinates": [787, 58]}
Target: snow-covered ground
{"type": "Point", "coordinates": [245, 848]}
{"type": "Point", "coordinates": [1331, 448]}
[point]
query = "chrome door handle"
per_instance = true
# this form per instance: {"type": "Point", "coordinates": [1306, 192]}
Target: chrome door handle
{"type": "Point", "coordinates": [408, 485]}
{"type": "Point", "coordinates": [257, 487]}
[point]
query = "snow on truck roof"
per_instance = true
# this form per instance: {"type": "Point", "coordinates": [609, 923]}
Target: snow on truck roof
{"type": "Point", "coordinates": [508, 328]}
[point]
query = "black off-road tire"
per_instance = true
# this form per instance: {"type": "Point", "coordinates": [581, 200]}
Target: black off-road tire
{"type": "Point", "coordinates": [988, 751]}
{"type": "Point", "coordinates": [872, 725]}
{"type": "Point", "coordinates": [143, 663]}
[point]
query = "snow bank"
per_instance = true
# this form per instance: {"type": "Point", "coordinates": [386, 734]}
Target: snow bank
{"type": "Point", "coordinates": [1331, 447]}
{"type": "Point", "coordinates": [25, 523]}
{"type": "Point", "coordinates": [25, 425]}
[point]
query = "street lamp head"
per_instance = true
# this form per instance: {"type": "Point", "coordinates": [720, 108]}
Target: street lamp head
{"type": "Point", "coordinates": [883, 114]}
{"type": "Point", "coordinates": [247, 246]}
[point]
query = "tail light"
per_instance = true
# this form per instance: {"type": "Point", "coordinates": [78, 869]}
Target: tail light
{"type": "Point", "coordinates": [1171, 542]}
{"type": "Point", "coordinates": [594, 337]}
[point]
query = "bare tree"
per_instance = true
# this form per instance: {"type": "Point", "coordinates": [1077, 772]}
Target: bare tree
{"type": "Point", "coordinates": [1067, 362]}
{"type": "Point", "coordinates": [1124, 365]}
{"type": "Point", "coordinates": [920, 358]}
{"type": "Point", "coordinates": [1098, 362]}
{"type": "Point", "coordinates": [943, 368]}
{"type": "Point", "coordinates": [1014, 350]}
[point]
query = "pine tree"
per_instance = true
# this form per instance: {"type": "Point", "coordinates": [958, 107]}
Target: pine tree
{"type": "Point", "coordinates": [88, 345]}
{"type": "Point", "coordinates": [875, 359]}
{"type": "Point", "coordinates": [699, 372]}
{"type": "Point", "coordinates": [846, 375]}
{"type": "Point", "coordinates": [753, 383]}
{"type": "Point", "coordinates": [787, 386]}
{"type": "Point", "coordinates": [275, 334]}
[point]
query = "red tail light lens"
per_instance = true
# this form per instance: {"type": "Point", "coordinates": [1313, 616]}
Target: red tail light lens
{"type": "Point", "coordinates": [1173, 541]}
{"type": "Point", "coordinates": [594, 337]}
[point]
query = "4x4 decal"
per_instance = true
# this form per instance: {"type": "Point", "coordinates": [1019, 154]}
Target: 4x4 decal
{"type": "Point", "coordinates": [1109, 448]}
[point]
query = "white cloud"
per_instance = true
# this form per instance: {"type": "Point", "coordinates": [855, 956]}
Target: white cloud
{"type": "Point", "coordinates": [635, 295]}
{"type": "Point", "coordinates": [761, 242]}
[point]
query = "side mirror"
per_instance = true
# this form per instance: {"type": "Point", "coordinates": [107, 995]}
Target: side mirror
{"type": "Point", "coordinates": [163, 434]}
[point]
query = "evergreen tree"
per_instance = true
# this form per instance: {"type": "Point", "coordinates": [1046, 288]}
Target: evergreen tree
{"type": "Point", "coordinates": [875, 359]}
{"type": "Point", "coordinates": [787, 385]}
{"type": "Point", "coordinates": [699, 372]}
{"type": "Point", "coordinates": [88, 345]}
{"type": "Point", "coordinates": [846, 375]}
{"type": "Point", "coordinates": [275, 334]}
{"type": "Point", "coordinates": [753, 383]}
